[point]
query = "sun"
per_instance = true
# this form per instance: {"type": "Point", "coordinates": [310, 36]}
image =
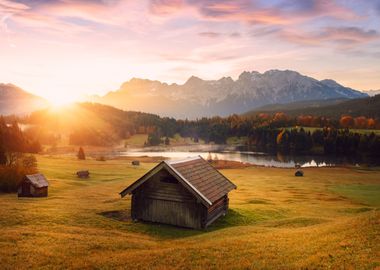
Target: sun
{"type": "Point", "coordinates": [60, 100]}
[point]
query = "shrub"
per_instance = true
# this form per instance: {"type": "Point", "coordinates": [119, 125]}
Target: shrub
{"type": "Point", "coordinates": [11, 175]}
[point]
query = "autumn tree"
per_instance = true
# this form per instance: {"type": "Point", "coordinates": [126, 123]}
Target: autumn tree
{"type": "Point", "coordinates": [360, 122]}
{"type": "Point", "coordinates": [371, 123]}
{"type": "Point", "coordinates": [346, 121]}
{"type": "Point", "coordinates": [280, 119]}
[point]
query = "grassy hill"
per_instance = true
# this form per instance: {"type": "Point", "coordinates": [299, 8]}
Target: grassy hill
{"type": "Point", "coordinates": [275, 221]}
{"type": "Point", "coordinates": [88, 123]}
{"type": "Point", "coordinates": [369, 107]}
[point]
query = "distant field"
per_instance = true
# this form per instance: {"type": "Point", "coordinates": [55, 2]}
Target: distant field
{"type": "Point", "coordinates": [137, 140]}
{"type": "Point", "coordinates": [328, 219]}
{"type": "Point", "coordinates": [236, 140]}
{"type": "Point", "coordinates": [179, 140]}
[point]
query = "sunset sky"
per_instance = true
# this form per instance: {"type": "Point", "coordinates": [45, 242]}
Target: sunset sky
{"type": "Point", "coordinates": [70, 48]}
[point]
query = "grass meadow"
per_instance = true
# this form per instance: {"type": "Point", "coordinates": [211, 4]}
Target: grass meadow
{"type": "Point", "coordinates": [327, 219]}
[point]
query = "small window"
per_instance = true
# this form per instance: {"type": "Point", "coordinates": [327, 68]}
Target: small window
{"type": "Point", "coordinates": [170, 180]}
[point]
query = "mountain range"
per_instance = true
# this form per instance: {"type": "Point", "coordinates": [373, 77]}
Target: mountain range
{"type": "Point", "coordinates": [14, 100]}
{"type": "Point", "coordinates": [197, 98]}
{"type": "Point", "coordinates": [200, 98]}
{"type": "Point", "coordinates": [332, 108]}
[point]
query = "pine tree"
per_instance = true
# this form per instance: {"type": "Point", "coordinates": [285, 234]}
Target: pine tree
{"type": "Point", "coordinates": [81, 154]}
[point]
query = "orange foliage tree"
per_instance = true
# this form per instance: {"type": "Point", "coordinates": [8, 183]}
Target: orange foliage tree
{"type": "Point", "coordinates": [305, 120]}
{"type": "Point", "coordinates": [360, 122]}
{"type": "Point", "coordinates": [346, 121]}
{"type": "Point", "coordinates": [371, 123]}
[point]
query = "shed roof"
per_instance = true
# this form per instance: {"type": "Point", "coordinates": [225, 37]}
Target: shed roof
{"type": "Point", "coordinates": [37, 180]}
{"type": "Point", "coordinates": [198, 175]}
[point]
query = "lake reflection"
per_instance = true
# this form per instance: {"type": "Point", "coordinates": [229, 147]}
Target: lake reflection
{"type": "Point", "coordinates": [260, 159]}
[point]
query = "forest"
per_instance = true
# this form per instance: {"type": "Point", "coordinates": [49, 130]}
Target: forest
{"type": "Point", "coordinates": [101, 125]}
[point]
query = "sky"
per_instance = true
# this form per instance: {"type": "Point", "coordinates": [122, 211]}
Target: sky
{"type": "Point", "coordinates": [66, 49]}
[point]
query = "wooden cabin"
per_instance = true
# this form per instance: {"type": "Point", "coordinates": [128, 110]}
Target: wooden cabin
{"type": "Point", "coordinates": [33, 185]}
{"type": "Point", "coordinates": [83, 174]}
{"type": "Point", "coordinates": [299, 173]}
{"type": "Point", "coordinates": [136, 163]}
{"type": "Point", "coordinates": [188, 193]}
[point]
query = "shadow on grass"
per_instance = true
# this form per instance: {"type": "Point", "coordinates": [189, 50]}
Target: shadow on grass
{"type": "Point", "coordinates": [259, 201]}
{"type": "Point", "coordinates": [297, 222]}
{"type": "Point", "coordinates": [117, 215]}
{"type": "Point", "coordinates": [234, 217]}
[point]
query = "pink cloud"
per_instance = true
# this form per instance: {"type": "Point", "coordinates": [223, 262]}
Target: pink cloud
{"type": "Point", "coordinates": [347, 36]}
{"type": "Point", "coordinates": [163, 7]}
{"type": "Point", "coordinates": [252, 12]}
{"type": "Point", "coordinates": [11, 7]}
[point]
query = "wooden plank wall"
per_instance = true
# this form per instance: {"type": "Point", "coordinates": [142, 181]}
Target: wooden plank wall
{"type": "Point", "coordinates": [217, 209]}
{"type": "Point", "coordinates": [163, 199]}
{"type": "Point", "coordinates": [169, 212]}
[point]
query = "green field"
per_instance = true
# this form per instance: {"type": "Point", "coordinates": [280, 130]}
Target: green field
{"type": "Point", "coordinates": [138, 140]}
{"type": "Point", "coordinates": [328, 219]}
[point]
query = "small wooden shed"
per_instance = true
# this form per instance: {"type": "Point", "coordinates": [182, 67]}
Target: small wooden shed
{"type": "Point", "coordinates": [33, 185]}
{"type": "Point", "coordinates": [136, 163]}
{"type": "Point", "coordinates": [188, 193]}
{"type": "Point", "coordinates": [83, 174]}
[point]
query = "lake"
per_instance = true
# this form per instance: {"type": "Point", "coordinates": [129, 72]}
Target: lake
{"type": "Point", "coordinates": [256, 158]}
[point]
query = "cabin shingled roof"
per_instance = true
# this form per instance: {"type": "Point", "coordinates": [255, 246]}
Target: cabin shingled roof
{"type": "Point", "coordinates": [204, 177]}
{"type": "Point", "coordinates": [198, 174]}
{"type": "Point", "coordinates": [37, 180]}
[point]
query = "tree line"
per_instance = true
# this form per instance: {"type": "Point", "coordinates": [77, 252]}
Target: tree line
{"type": "Point", "coordinates": [95, 124]}
{"type": "Point", "coordinates": [270, 133]}
{"type": "Point", "coordinates": [327, 141]}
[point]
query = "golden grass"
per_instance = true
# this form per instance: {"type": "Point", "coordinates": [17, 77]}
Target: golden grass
{"type": "Point", "coordinates": [276, 221]}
